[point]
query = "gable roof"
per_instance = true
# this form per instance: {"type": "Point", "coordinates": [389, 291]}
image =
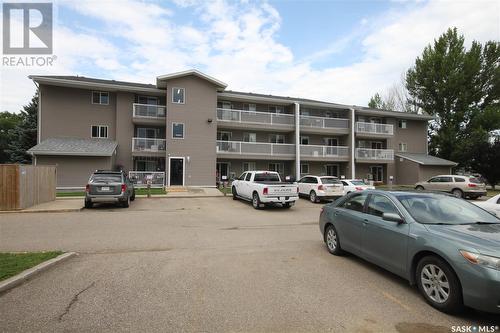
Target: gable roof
{"type": "Point", "coordinates": [221, 85]}
{"type": "Point", "coordinates": [425, 159]}
{"type": "Point", "coordinates": [75, 147]}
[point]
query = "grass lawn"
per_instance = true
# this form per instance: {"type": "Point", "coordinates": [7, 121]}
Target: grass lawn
{"type": "Point", "coordinates": [138, 191]}
{"type": "Point", "coordinates": [226, 190]}
{"type": "Point", "coordinates": [14, 263]}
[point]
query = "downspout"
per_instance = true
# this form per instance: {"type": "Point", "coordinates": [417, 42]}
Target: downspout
{"type": "Point", "coordinates": [297, 141]}
{"type": "Point", "coordinates": [353, 145]}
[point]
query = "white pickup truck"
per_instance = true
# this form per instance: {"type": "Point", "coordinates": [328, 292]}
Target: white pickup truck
{"type": "Point", "coordinates": [263, 188]}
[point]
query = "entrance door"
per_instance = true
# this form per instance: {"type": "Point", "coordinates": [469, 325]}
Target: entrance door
{"type": "Point", "coordinates": [377, 172]}
{"type": "Point", "coordinates": [222, 170]}
{"type": "Point", "coordinates": [332, 170]}
{"type": "Point", "coordinates": [176, 171]}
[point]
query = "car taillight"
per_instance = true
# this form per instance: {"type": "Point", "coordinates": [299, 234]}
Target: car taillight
{"type": "Point", "coordinates": [471, 185]}
{"type": "Point", "coordinates": [265, 191]}
{"type": "Point", "coordinates": [359, 189]}
{"type": "Point", "coordinates": [320, 188]}
{"type": "Point", "coordinates": [124, 187]}
{"type": "Point", "coordinates": [87, 188]}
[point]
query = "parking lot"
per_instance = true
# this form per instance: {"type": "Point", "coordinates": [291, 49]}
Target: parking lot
{"type": "Point", "coordinates": [204, 264]}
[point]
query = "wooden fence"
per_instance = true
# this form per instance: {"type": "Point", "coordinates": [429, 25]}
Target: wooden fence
{"type": "Point", "coordinates": [23, 186]}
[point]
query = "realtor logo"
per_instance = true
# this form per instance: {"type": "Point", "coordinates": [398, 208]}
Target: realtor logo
{"type": "Point", "coordinates": [27, 28]}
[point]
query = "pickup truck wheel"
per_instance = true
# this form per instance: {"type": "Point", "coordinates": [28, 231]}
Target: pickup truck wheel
{"type": "Point", "coordinates": [88, 204]}
{"type": "Point", "coordinates": [255, 200]}
{"type": "Point", "coordinates": [287, 205]}
{"type": "Point", "coordinates": [313, 197]}
{"type": "Point", "coordinates": [235, 194]}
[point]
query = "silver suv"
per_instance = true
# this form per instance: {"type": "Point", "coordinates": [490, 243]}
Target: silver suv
{"type": "Point", "coordinates": [459, 186]}
{"type": "Point", "coordinates": [109, 186]}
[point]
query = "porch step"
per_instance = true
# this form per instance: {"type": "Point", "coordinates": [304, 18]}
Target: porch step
{"type": "Point", "coordinates": [176, 189]}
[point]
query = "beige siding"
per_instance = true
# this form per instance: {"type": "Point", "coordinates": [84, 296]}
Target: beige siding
{"type": "Point", "coordinates": [124, 130]}
{"type": "Point", "coordinates": [407, 172]}
{"type": "Point", "coordinates": [74, 171]}
{"type": "Point", "coordinates": [414, 135]}
{"type": "Point", "coordinates": [428, 171]}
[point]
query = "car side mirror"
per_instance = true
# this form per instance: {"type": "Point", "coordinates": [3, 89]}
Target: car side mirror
{"type": "Point", "coordinates": [392, 217]}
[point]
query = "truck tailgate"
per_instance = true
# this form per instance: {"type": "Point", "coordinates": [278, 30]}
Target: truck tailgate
{"type": "Point", "coordinates": [282, 190]}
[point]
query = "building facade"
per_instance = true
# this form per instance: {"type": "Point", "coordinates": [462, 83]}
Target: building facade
{"type": "Point", "coordinates": [188, 130]}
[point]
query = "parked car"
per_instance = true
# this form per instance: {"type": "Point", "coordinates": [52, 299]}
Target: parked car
{"type": "Point", "coordinates": [492, 205]}
{"type": "Point", "coordinates": [459, 186]}
{"type": "Point", "coordinates": [109, 186]}
{"type": "Point", "coordinates": [447, 246]}
{"type": "Point", "coordinates": [353, 185]}
{"type": "Point", "coordinates": [264, 188]}
{"type": "Point", "coordinates": [318, 188]}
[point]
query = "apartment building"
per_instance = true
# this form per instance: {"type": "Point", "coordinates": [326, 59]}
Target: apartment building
{"type": "Point", "coordinates": [188, 130]}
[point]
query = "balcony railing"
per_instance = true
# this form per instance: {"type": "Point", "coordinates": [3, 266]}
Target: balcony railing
{"type": "Point", "coordinates": [148, 145]}
{"type": "Point", "coordinates": [372, 128]}
{"type": "Point", "coordinates": [324, 151]}
{"type": "Point", "coordinates": [374, 154]}
{"type": "Point", "coordinates": [255, 117]}
{"type": "Point", "coordinates": [141, 178]}
{"type": "Point", "coordinates": [322, 122]}
{"type": "Point", "coordinates": [149, 111]}
{"type": "Point", "coordinates": [254, 148]}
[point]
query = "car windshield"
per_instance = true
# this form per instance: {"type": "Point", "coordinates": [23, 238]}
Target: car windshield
{"type": "Point", "coordinates": [266, 177]}
{"type": "Point", "coordinates": [443, 209]}
{"type": "Point", "coordinates": [327, 180]}
{"type": "Point", "coordinates": [106, 178]}
{"type": "Point", "coordinates": [358, 182]}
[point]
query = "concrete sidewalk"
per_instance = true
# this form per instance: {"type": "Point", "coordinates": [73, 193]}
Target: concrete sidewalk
{"type": "Point", "coordinates": [56, 206]}
{"type": "Point", "coordinates": [193, 192]}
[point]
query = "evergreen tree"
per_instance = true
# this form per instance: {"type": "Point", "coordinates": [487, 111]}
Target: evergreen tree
{"type": "Point", "coordinates": [24, 135]}
{"type": "Point", "coordinates": [8, 121]}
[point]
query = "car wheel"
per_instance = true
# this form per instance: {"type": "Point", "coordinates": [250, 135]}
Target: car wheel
{"type": "Point", "coordinates": [287, 205]}
{"type": "Point", "coordinates": [126, 203]}
{"type": "Point", "coordinates": [235, 194]}
{"type": "Point", "coordinates": [132, 198]}
{"type": "Point", "coordinates": [332, 240]}
{"type": "Point", "coordinates": [439, 284]}
{"type": "Point", "coordinates": [89, 204]}
{"type": "Point", "coordinates": [457, 193]}
{"type": "Point", "coordinates": [313, 197]}
{"type": "Point", "coordinates": [419, 188]}
{"type": "Point", "coordinates": [255, 200]}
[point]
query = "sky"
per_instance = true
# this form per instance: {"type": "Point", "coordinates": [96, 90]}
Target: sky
{"type": "Point", "coordinates": [337, 51]}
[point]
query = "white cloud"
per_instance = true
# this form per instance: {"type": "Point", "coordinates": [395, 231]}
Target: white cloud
{"type": "Point", "coordinates": [237, 43]}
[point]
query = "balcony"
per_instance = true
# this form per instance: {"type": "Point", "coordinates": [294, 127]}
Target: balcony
{"type": "Point", "coordinates": [149, 114]}
{"type": "Point", "coordinates": [244, 149]}
{"type": "Point", "coordinates": [374, 129]}
{"type": "Point", "coordinates": [317, 124]}
{"type": "Point", "coordinates": [255, 119]}
{"type": "Point", "coordinates": [324, 152]}
{"type": "Point", "coordinates": [374, 154]}
{"type": "Point", "coordinates": [148, 147]}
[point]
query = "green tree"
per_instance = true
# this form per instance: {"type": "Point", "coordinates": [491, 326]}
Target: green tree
{"type": "Point", "coordinates": [376, 102]}
{"type": "Point", "coordinates": [24, 135]}
{"type": "Point", "coordinates": [8, 121]}
{"type": "Point", "coordinates": [461, 88]}
{"type": "Point", "coordinates": [485, 158]}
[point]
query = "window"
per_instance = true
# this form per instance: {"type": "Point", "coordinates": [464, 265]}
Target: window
{"type": "Point", "coordinates": [177, 131]}
{"type": "Point", "coordinates": [446, 180]}
{"type": "Point", "coordinates": [224, 136]}
{"type": "Point", "coordinates": [276, 167]}
{"type": "Point", "coordinates": [249, 166]}
{"type": "Point", "coordinates": [242, 176]}
{"type": "Point", "coordinates": [357, 202]}
{"type": "Point", "coordinates": [149, 100]}
{"type": "Point", "coordinates": [99, 131]}
{"type": "Point", "coordinates": [266, 177]}
{"type": "Point", "coordinates": [379, 204]}
{"type": "Point", "coordinates": [276, 138]}
{"type": "Point", "coordinates": [332, 170]}
{"type": "Point", "coordinates": [402, 123]}
{"type": "Point", "coordinates": [249, 137]}
{"type": "Point", "coordinates": [250, 107]}
{"type": "Point", "coordinates": [304, 168]}
{"type": "Point", "coordinates": [100, 97]}
{"type": "Point", "coordinates": [304, 140]}
{"type": "Point", "coordinates": [226, 105]}
{"type": "Point", "coordinates": [247, 178]}
{"type": "Point", "coordinates": [276, 108]}
{"type": "Point", "coordinates": [459, 180]}
{"type": "Point", "coordinates": [305, 113]}
{"type": "Point", "coordinates": [403, 147]}
{"type": "Point", "coordinates": [331, 142]}
{"type": "Point", "coordinates": [178, 95]}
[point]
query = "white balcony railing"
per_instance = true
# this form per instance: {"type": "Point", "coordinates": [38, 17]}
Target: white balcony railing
{"type": "Point", "coordinates": [149, 111]}
{"type": "Point", "coordinates": [254, 148]}
{"type": "Point", "coordinates": [141, 178]}
{"type": "Point", "coordinates": [324, 151]}
{"type": "Point", "coordinates": [148, 145]}
{"type": "Point", "coordinates": [323, 122]}
{"type": "Point", "coordinates": [374, 154]}
{"type": "Point", "coordinates": [255, 117]}
{"type": "Point", "coordinates": [373, 128]}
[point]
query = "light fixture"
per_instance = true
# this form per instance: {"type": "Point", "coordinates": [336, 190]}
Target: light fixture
{"type": "Point", "coordinates": [209, 120]}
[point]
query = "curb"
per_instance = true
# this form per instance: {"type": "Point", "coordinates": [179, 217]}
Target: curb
{"type": "Point", "coordinates": [25, 275]}
{"type": "Point", "coordinates": [25, 211]}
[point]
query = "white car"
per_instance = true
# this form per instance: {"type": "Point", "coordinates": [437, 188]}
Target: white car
{"type": "Point", "coordinates": [319, 188]}
{"type": "Point", "coordinates": [492, 205]}
{"type": "Point", "coordinates": [353, 185]}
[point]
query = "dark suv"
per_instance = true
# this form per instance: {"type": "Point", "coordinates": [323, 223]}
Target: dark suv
{"type": "Point", "coordinates": [109, 186]}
